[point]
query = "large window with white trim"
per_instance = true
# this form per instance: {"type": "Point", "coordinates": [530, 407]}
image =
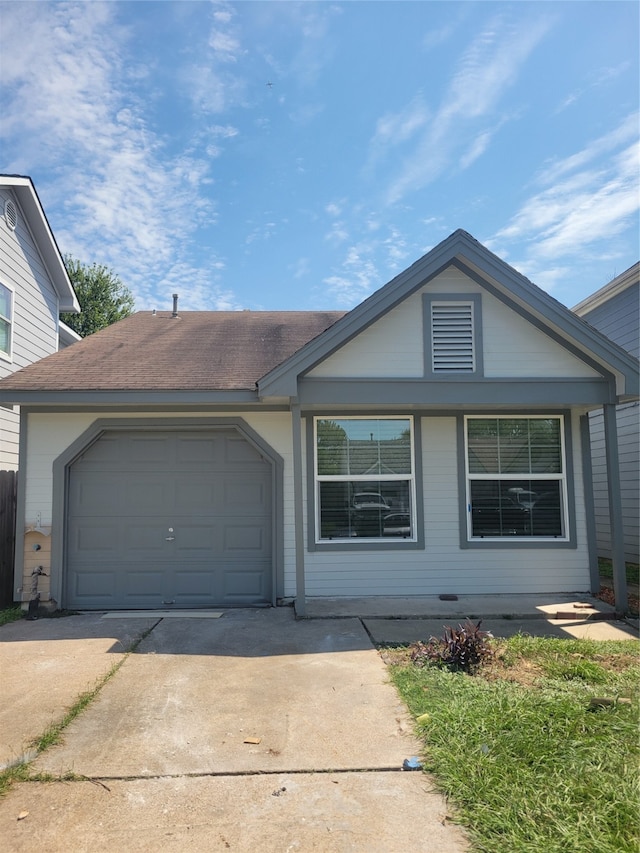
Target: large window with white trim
{"type": "Point", "coordinates": [6, 317]}
{"type": "Point", "coordinates": [516, 477]}
{"type": "Point", "coordinates": [365, 479]}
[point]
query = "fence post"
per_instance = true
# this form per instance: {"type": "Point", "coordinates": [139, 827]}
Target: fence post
{"type": "Point", "coordinates": [8, 485]}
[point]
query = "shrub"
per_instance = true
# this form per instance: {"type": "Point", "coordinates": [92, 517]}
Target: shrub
{"type": "Point", "coordinates": [461, 649]}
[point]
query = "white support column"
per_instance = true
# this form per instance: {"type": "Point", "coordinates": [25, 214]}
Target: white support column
{"type": "Point", "coordinates": [615, 507]}
{"type": "Point", "coordinates": [298, 508]}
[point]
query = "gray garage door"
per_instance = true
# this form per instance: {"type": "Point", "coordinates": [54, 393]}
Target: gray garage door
{"type": "Point", "coordinates": [180, 519]}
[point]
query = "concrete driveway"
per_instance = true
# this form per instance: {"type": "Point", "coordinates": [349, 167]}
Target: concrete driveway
{"type": "Point", "coordinates": [249, 732]}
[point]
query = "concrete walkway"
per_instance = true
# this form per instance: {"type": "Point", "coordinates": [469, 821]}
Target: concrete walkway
{"type": "Point", "coordinates": [249, 732]}
{"type": "Point", "coordinates": [397, 620]}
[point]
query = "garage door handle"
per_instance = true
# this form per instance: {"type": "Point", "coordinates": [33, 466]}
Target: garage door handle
{"type": "Point", "coordinates": [169, 538]}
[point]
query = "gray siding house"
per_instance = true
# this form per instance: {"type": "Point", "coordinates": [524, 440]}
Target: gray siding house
{"type": "Point", "coordinates": [435, 439]}
{"type": "Point", "coordinates": [34, 289]}
{"type": "Point", "coordinates": [615, 311]}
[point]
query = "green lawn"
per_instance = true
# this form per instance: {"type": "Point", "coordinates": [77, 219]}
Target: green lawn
{"type": "Point", "coordinates": [606, 570]}
{"type": "Point", "coordinates": [526, 762]}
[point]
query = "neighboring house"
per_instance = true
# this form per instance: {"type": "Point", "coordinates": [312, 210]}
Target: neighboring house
{"type": "Point", "coordinates": [615, 311]}
{"type": "Point", "coordinates": [34, 289]}
{"type": "Point", "coordinates": [432, 440]}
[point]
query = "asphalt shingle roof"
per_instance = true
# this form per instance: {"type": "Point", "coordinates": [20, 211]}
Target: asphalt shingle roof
{"type": "Point", "coordinates": [197, 350]}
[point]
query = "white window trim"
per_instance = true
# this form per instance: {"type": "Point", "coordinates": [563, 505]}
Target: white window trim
{"type": "Point", "coordinates": [561, 478]}
{"type": "Point", "coordinates": [8, 356]}
{"type": "Point", "coordinates": [365, 478]}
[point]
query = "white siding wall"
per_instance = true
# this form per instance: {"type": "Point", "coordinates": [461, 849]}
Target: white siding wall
{"type": "Point", "coordinates": [9, 438]}
{"type": "Point", "coordinates": [393, 347]}
{"type": "Point", "coordinates": [35, 306]}
{"type": "Point", "coordinates": [443, 567]}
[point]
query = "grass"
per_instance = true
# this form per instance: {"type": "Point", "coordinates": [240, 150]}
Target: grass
{"type": "Point", "coordinates": [10, 614]}
{"type": "Point", "coordinates": [525, 761]}
{"type": "Point", "coordinates": [606, 570]}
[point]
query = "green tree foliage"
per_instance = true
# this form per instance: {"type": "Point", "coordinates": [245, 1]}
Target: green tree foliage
{"type": "Point", "coordinates": [103, 298]}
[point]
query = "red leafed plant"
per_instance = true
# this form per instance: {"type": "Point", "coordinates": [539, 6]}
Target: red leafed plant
{"type": "Point", "coordinates": [461, 649]}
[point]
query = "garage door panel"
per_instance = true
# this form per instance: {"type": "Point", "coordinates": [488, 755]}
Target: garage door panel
{"type": "Point", "coordinates": [237, 450]}
{"type": "Point", "coordinates": [106, 449]}
{"type": "Point", "coordinates": [192, 537]}
{"type": "Point", "coordinates": [94, 585]}
{"type": "Point", "coordinates": [142, 583]}
{"type": "Point", "coordinates": [144, 537]}
{"type": "Point", "coordinates": [239, 538]}
{"type": "Point", "coordinates": [244, 492]}
{"type": "Point", "coordinates": [151, 448]}
{"type": "Point", "coordinates": [199, 582]}
{"type": "Point", "coordinates": [94, 539]}
{"type": "Point", "coordinates": [97, 493]}
{"type": "Point", "coordinates": [193, 494]}
{"type": "Point", "coordinates": [194, 449]}
{"type": "Point", "coordinates": [244, 583]}
{"type": "Point", "coordinates": [169, 518]}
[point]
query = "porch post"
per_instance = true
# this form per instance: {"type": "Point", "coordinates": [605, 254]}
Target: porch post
{"type": "Point", "coordinates": [615, 507]}
{"type": "Point", "coordinates": [298, 511]}
{"type": "Point", "coordinates": [587, 475]}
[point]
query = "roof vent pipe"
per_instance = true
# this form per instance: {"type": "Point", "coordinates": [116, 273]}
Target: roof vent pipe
{"type": "Point", "coordinates": [175, 305]}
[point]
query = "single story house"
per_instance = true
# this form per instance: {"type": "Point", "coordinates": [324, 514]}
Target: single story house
{"type": "Point", "coordinates": [432, 440]}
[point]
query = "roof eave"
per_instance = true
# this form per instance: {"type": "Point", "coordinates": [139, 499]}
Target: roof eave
{"type": "Point", "coordinates": [126, 398]}
{"type": "Point", "coordinates": [610, 290]}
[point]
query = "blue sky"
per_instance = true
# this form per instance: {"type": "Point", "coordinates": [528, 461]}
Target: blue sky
{"type": "Point", "coordinates": [280, 155]}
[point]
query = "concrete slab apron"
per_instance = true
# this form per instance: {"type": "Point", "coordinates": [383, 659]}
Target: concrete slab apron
{"type": "Point", "coordinates": [46, 664]}
{"type": "Point", "coordinates": [379, 812]}
{"type": "Point", "coordinates": [312, 695]}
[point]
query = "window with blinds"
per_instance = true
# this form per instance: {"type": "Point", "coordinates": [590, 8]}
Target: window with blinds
{"type": "Point", "coordinates": [452, 337]}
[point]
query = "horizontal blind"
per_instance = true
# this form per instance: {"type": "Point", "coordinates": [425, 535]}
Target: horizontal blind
{"type": "Point", "coordinates": [452, 337]}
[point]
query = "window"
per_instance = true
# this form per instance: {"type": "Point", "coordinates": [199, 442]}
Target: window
{"type": "Point", "coordinates": [516, 476]}
{"type": "Point", "coordinates": [365, 484]}
{"type": "Point", "coordinates": [6, 311]}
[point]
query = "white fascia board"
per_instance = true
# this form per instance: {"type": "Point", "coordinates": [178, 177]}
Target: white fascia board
{"type": "Point", "coordinates": [27, 197]}
{"type": "Point", "coordinates": [609, 291]}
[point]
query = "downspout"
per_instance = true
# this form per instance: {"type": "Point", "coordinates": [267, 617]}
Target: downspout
{"type": "Point", "coordinates": [615, 507]}
{"type": "Point", "coordinates": [298, 512]}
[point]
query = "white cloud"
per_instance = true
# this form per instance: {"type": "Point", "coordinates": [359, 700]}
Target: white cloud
{"type": "Point", "coordinates": [114, 193]}
{"type": "Point", "coordinates": [598, 78]}
{"type": "Point", "coordinates": [338, 233]}
{"type": "Point", "coordinates": [587, 200]}
{"type": "Point", "coordinates": [487, 69]}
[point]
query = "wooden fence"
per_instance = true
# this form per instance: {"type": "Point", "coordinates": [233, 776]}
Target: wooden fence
{"type": "Point", "coordinates": [8, 481]}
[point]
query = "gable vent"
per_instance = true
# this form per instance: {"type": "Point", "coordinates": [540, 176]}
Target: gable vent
{"type": "Point", "coordinates": [10, 214]}
{"type": "Point", "coordinates": [452, 337]}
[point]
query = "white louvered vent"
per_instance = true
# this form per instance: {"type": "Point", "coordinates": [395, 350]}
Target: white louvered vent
{"type": "Point", "coordinates": [10, 214]}
{"type": "Point", "coordinates": [452, 337]}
